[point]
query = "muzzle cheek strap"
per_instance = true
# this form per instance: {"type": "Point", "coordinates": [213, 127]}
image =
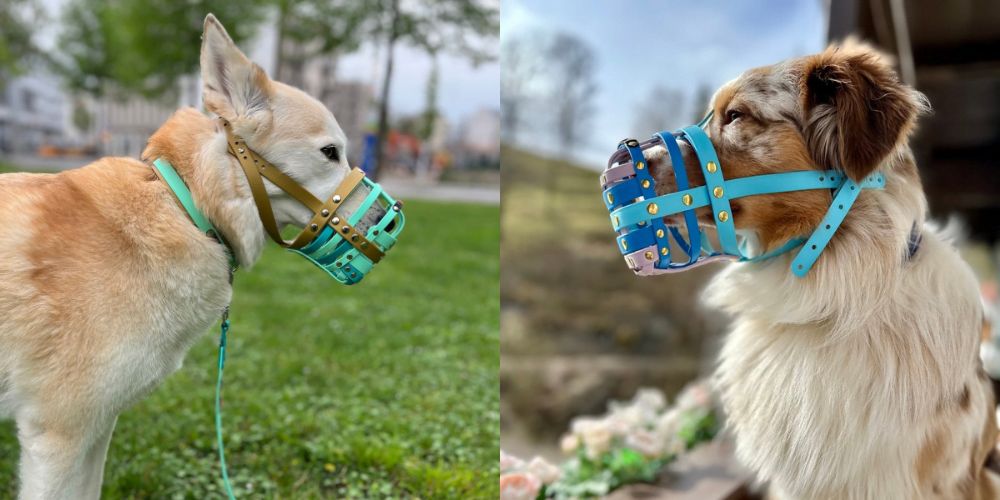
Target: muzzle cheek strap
{"type": "Point", "coordinates": [256, 168]}
{"type": "Point", "coordinates": [716, 184]}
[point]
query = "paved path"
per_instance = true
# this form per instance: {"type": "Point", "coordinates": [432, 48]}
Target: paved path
{"type": "Point", "coordinates": [404, 189]}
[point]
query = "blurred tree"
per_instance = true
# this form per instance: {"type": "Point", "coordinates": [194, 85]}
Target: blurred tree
{"type": "Point", "coordinates": [520, 61]}
{"type": "Point", "coordinates": [16, 46]}
{"type": "Point", "coordinates": [82, 118]}
{"type": "Point", "coordinates": [310, 28]}
{"type": "Point", "coordinates": [662, 109]}
{"type": "Point", "coordinates": [430, 114]}
{"type": "Point", "coordinates": [570, 95]}
{"type": "Point", "coordinates": [462, 27]}
{"type": "Point", "coordinates": [141, 46]}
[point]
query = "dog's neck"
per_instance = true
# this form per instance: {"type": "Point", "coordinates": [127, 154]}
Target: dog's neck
{"type": "Point", "coordinates": [849, 283]}
{"type": "Point", "coordinates": [197, 149]}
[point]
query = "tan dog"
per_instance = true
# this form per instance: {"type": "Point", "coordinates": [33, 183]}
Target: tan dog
{"type": "Point", "coordinates": [861, 380]}
{"type": "Point", "coordinates": [104, 281]}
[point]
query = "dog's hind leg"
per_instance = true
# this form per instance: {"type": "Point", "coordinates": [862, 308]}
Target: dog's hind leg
{"type": "Point", "coordinates": [57, 457]}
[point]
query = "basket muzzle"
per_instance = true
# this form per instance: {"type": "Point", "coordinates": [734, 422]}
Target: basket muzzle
{"type": "Point", "coordinates": [652, 244]}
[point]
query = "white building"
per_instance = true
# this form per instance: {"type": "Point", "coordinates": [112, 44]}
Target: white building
{"type": "Point", "coordinates": [33, 112]}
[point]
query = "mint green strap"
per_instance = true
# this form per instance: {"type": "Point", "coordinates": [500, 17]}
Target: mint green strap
{"type": "Point", "coordinates": [181, 192]}
{"type": "Point", "coordinates": [224, 329]}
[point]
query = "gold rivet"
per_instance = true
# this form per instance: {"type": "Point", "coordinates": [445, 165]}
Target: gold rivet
{"type": "Point", "coordinates": [624, 245]}
{"type": "Point", "coordinates": [335, 220]}
{"type": "Point", "coordinates": [617, 221]}
{"type": "Point", "coordinates": [650, 255]}
{"type": "Point", "coordinates": [354, 237]}
{"type": "Point", "coordinates": [686, 199]}
{"type": "Point", "coordinates": [645, 183]}
{"type": "Point", "coordinates": [659, 233]}
{"type": "Point", "coordinates": [723, 216]}
{"type": "Point", "coordinates": [717, 191]}
{"type": "Point", "coordinates": [638, 166]}
{"type": "Point", "coordinates": [652, 208]}
{"type": "Point", "coordinates": [664, 251]}
{"type": "Point", "coordinates": [336, 199]}
{"type": "Point", "coordinates": [711, 167]}
{"type": "Point", "coordinates": [324, 212]}
{"type": "Point", "coordinates": [345, 229]}
{"type": "Point", "coordinates": [611, 198]}
{"type": "Point", "coordinates": [314, 227]}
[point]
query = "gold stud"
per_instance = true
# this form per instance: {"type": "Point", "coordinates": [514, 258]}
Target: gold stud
{"type": "Point", "coordinates": [313, 227]}
{"type": "Point", "coordinates": [686, 200]}
{"type": "Point", "coordinates": [717, 191]}
{"type": "Point", "coordinates": [624, 245]}
{"type": "Point", "coordinates": [617, 221]}
{"type": "Point", "coordinates": [650, 255]}
{"type": "Point", "coordinates": [711, 167]}
{"type": "Point", "coordinates": [723, 216]}
{"type": "Point", "coordinates": [336, 199]}
{"type": "Point", "coordinates": [659, 233]}
{"type": "Point", "coordinates": [652, 208]}
{"type": "Point", "coordinates": [645, 183]}
{"type": "Point", "coordinates": [354, 237]}
{"type": "Point", "coordinates": [611, 198]}
{"type": "Point", "coordinates": [664, 251]}
{"type": "Point", "coordinates": [324, 212]}
{"type": "Point", "coordinates": [638, 166]}
{"type": "Point", "coordinates": [335, 220]}
{"type": "Point", "coordinates": [345, 229]}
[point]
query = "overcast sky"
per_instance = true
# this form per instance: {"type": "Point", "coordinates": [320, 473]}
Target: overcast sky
{"type": "Point", "coordinates": [462, 89]}
{"type": "Point", "coordinates": [678, 44]}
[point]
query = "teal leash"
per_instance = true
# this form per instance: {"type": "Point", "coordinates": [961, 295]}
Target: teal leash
{"type": "Point", "coordinates": [223, 331]}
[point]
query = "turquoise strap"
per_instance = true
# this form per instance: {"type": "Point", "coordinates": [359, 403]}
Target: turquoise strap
{"type": "Point", "coordinates": [814, 246]}
{"type": "Point", "coordinates": [183, 194]}
{"type": "Point", "coordinates": [716, 187]}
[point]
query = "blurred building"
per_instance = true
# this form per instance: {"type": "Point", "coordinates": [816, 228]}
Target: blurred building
{"type": "Point", "coordinates": [951, 52]}
{"type": "Point", "coordinates": [33, 112]}
{"type": "Point", "coordinates": [479, 140]}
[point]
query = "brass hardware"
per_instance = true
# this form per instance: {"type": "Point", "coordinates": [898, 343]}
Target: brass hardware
{"type": "Point", "coordinates": [659, 233]}
{"type": "Point", "coordinates": [664, 251]}
{"type": "Point", "coordinates": [324, 212]}
{"type": "Point", "coordinates": [650, 255]}
{"type": "Point", "coordinates": [335, 220]}
{"type": "Point", "coordinates": [645, 183]}
{"type": "Point", "coordinates": [313, 227]}
{"type": "Point", "coordinates": [652, 208]}
{"type": "Point", "coordinates": [640, 166]}
{"type": "Point", "coordinates": [336, 198]}
{"type": "Point", "coordinates": [717, 192]}
{"type": "Point", "coordinates": [686, 200]}
{"type": "Point", "coordinates": [711, 167]}
{"type": "Point", "coordinates": [723, 216]}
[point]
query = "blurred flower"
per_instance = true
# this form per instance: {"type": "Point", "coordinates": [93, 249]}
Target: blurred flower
{"type": "Point", "coordinates": [569, 443]}
{"type": "Point", "coordinates": [519, 486]}
{"type": "Point", "coordinates": [509, 462]}
{"type": "Point", "coordinates": [646, 443]}
{"type": "Point", "coordinates": [650, 400]}
{"type": "Point", "coordinates": [695, 395]}
{"type": "Point", "coordinates": [543, 470]}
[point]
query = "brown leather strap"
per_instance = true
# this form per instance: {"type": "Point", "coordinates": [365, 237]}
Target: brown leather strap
{"type": "Point", "coordinates": [256, 168]}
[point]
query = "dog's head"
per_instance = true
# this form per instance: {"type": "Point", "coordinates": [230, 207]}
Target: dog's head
{"type": "Point", "coordinates": [289, 128]}
{"type": "Point", "coordinates": [841, 109]}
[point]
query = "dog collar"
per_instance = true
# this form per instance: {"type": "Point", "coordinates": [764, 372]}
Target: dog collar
{"type": "Point", "coordinates": [166, 172]}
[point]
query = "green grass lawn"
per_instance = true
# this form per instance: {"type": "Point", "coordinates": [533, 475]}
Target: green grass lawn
{"type": "Point", "coordinates": [387, 389]}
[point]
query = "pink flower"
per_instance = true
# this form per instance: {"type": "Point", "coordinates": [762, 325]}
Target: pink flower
{"type": "Point", "coordinates": [509, 462]}
{"type": "Point", "coordinates": [543, 470]}
{"type": "Point", "coordinates": [645, 442]}
{"type": "Point", "coordinates": [519, 486]}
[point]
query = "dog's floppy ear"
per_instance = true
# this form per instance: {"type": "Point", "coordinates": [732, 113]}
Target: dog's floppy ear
{"type": "Point", "coordinates": [233, 86]}
{"type": "Point", "coordinates": [857, 110]}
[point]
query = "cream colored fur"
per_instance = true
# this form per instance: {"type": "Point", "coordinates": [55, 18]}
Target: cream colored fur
{"type": "Point", "coordinates": [104, 281]}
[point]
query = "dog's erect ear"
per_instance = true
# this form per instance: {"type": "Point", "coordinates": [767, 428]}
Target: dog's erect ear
{"type": "Point", "coordinates": [233, 86]}
{"type": "Point", "coordinates": [857, 110]}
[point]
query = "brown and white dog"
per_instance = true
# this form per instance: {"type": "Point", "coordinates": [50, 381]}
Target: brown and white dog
{"type": "Point", "coordinates": [104, 281]}
{"type": "Point", "coordinates": [861, 380]}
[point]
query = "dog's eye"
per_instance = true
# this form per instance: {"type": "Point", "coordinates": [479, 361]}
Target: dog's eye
{"type": "Point", "coordinates": [331, 152]}
{"type": "Point", "coordinates": [733, 115]}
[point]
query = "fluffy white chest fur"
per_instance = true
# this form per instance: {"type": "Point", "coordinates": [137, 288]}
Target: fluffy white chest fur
{"type": "Point", "coordinates": [862, 381]}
